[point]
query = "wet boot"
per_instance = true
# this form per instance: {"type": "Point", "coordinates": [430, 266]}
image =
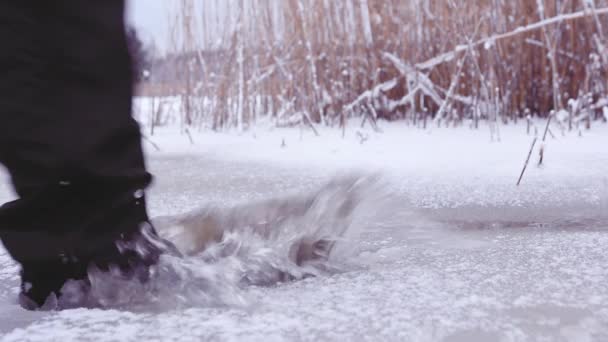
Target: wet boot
{"type": "Point", "coordinates": [43, 284]}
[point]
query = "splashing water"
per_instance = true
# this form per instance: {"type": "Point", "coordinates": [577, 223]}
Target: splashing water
{"type": "Point", "coordinates": [227, 249]}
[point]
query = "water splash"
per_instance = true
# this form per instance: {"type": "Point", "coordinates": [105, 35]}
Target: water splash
{"type": "Point", "coordinates": [227, 249]}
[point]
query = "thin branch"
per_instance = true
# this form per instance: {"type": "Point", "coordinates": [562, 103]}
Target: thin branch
{"type": "Point", "coordinates": [448, 56]}
{"type": "Point", "coordinates": [148, 140]}
{"type": "Point", "coordinates": [523, 171]}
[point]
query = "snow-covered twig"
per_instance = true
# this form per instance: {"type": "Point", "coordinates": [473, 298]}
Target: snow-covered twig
{"type": "Point", "coordinates": [455, 81]}
{"type": "Point", "coordinates": [448, 56]}
{"type": "Point", "coordinates": [590, 5]}
{"type": "Point", "coordinates": [424, 82]}
{"type": "Point", "coordinates": [559, 52]}
{"type": "Point", "coordinates": [370, 94]}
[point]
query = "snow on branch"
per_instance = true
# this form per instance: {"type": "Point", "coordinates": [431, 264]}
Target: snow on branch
{"type": "Point", "coordinates": [448, 56]}
{"type": "Point", "coordinates": [414, 74]}
{"type": "Point", "coordinates": [415, 77]}
{"type": "Point", "coordinates": [368, 95]}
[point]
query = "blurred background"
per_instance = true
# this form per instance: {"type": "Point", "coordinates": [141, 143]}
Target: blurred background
{"type": "Point", "coordinates": [225, 64]}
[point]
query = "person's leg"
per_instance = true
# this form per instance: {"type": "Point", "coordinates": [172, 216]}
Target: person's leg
{"type": "Point", "coordinates": [70, 144]}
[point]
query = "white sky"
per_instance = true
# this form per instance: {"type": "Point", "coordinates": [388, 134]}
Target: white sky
{"type": "Point", "coordinates": [151, 18]}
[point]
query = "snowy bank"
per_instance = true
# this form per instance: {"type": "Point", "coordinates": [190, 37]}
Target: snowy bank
{"type": "Point", "coordinates": [575, 167]}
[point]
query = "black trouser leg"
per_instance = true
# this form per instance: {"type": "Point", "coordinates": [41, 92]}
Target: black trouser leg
{"type": "Point", "coordinates": [69, 142]}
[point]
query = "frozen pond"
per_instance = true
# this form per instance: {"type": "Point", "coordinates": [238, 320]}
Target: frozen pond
{"type": "Point", "coordinates": [450, 260]}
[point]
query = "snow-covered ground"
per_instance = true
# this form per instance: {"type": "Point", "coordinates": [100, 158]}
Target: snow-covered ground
{"type": "Point", "coordinates": [454, 252]}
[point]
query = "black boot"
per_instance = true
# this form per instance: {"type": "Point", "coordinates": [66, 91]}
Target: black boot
{"type": "Point", "coordinates": [64, 283]}
{"type": "Point", "coordinates": [61, 231]}
{"type": "Point", "coordinates": [41, 283]}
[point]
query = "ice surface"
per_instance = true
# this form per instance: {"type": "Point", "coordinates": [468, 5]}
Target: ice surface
{"type": "Point", "coordinates": [461, 254]}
